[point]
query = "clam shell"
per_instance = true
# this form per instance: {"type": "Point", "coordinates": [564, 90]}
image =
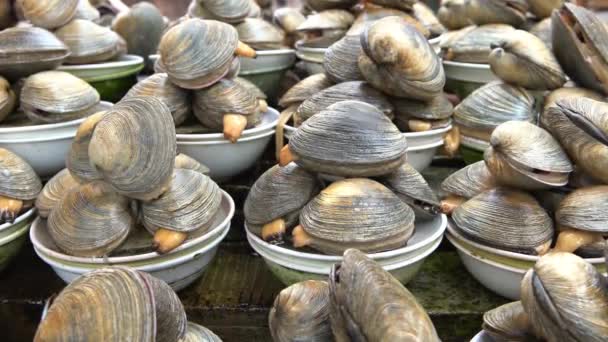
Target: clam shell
{"type": "Point", "coordinates": [332, 19]}
{"type": "Point", "coordinates": [543, 8]}
{"type": "Point", "coordinates": [174, 97]}
{"type": "Point", "coordinates": [427, 18]}
{"type": "Point", "coordinates": [190, 204]}
{"type": "Point", "coordinates": [399, 60]}
{"type": "Point", "coordinates": [357, 213]}
{"type": "Point", "coordinates": [198, 333]}
{"type": "Point", "coordinates": [8, 100]}
{"type": "Point", "coordinates": [89, 42]}
{"type": "Point", "coordinates": [523, 59]}
{"type": "Point", "coordinates": [412, 189]}
{"type": "Point", "coordinates": [252, 88]}
{"type": "Point", "coordinates": [301, 313]}
{"type": "Point", "coordinates": [342, 58]}
{"type": "Point", "coordinates": [472, 44]}
{"type": "Point", "coordinates": [90, 221]}
{"type": "Point", "coordinates": [229, 11]}
{"type": "Point", "coordinates": [281, 192]}
{"type": "Point", "coordinates": [49, 14]}
{"type": "Point", "coordinates": [563, 93]}
{"type": "Point", "coordinates": [305, 89]}
{"type": "Point", "coordinates": [351, 139]}
{"type": "Point", "coordinates": [542, 30]}
{"type": "Point", "coordinates": [492, 105]}
{"type": "Point", "coordinates": [54, 191]}
{"type": "Point", "coordinates": [469, 181]}
{"type": "Point", "coordinates": [77, 161]}
{"type": "Point", "coordinates": [373, 14]}
{"type": "Point", "coordinates": [585, 209]}
{"type": "Point", "coordinates": [143, 127]}
{"type": "Point", "coordinates": [141, 27]}
{"type": "Point", "coordinates": [57, 96]}
{"type": "Point", "coordinates": [225, 97]}
{"type": "Point", "coordinates": [260, 34]}
{"type": "Point", "coordinates": [526, 156]}
{"type": "Point", "coordinates": [566, 299]}
{"type": "Point", "coordinates": [116, 301]}
{"type": "Point", "coordinates": [361, 293]}
{"type": "Point", "coordinates": [86, 11]}
{"type": "Point", "coordinates": [346, 91]}
{"type": "Point", "coordinates": [28, 50]}
{"type": "Point", "coordinates": [183, 161]}
{"type": "Point", "coordinates": [507, 219]}
{"type": "Point", "coordinates": [197, 53]}
{"type": "Point", "coordinates": [452, 14]}
{"type": "Point", "coordinates": [17, 178]}
{"type": "Point", "coordinates": [288, 18]}
{"type": "Point", "coordinates": [405, 5]}
{"type": "Point", "coordinates": [320, 5]}
{"type": "Point", "coordinates": [508, 322]}
{"type": "Point", "coordinates": [171, 322]}
{"type": "Point", "coordinates": [438, 108]}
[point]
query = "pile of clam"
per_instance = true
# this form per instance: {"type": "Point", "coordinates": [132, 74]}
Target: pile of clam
{"type": "Point", "coordinates": [123, 173]}
{"type": "Point", "coordinates": [350, 306]}
{"type": "Point", "coordinates": [372, 208]}
{"type": "Point", "coordinates": [119, 304]}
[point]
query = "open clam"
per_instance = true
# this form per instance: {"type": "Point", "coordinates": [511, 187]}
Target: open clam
{"type": "Point", "coordinates": [524, 60]}
{"type": "Point", "coordinates": [89, 42]}
{"type": "Point", "coordinates": [349, 138]}
{"type": "Point", "coordinates": [301, 313]}
{"type": "Point", "coordinates": [464, 184]}
{"type": "Point", "coordinates": [354, 213]}
{"type": "Point", "coordinates": [57, 96]}
{"type": "Point", "coordinates": [273, 205]}
{"type": "Point", "coordinates": [507, 219]}
{"type": "Point", "coordinates": [19, 185]}
{"type": "Point", "coordinates": [473, 44]}
{"type": "Point", "coordinates": [399, 61]}
{"type": "Point", "coordinates": [361, 293]}
{"type": "Point", "coordinates": [141, 27]}
{"type": "Point", "coordinates": [49, 14]}
{"type": "Point", "coordinates": [53, 192]}
{"type": "Point", "coordinates": [508, 322]}
{"type": "Point", "coordinates": [526, 156]}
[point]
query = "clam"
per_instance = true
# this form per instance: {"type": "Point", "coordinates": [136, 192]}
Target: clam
{"type": "Point", "coordinates": [524, 60]}
{"type": "Point", "coordinates": [8, 100]}
{"type": "Point", "coordinates": [19, 185]}
{"type": "Point", "coordinates": [77, 161]}
{"type": "Point", "coordinates": [260, 34]}
{"type": "Point", "coordinates": [526, 156]}
{"type": "Point", "coordinates": [141, 27]}
{"type": "Point", "coordinates": [581, 47]}
{"type": "Point", "coordinates": [227, 106]}
{"type": "Point", "coordinates": [133, 147]}
{"type": "Point", "coordinates": [255, 91]}
{"type": "Point", "coordinates": [512, 12]}
{"type": "Point", "coordinates": [427, 18]}
{"type": "Point", "coordinates": [581, 125]}
{"type": "Point", "coordinates": [341, 61]}
{"type": "Point", "coordinates": [57, 96]}
{"type": "Point", "coordinates": [197, 53]}
{"type": "Point", "coordinates": [321, 5]}
{"type": "Point", "coordinates": [288, 18]}
{"type": "Point", "coordinates": [49, 14]}
{"type": "Point", "coordinates": [405, 5]}
{"type": "Point", "coordinates": [372, 14]}
{"type": "Point", "coordinates": [350, 139]}
{"type": "Point", "coordinates": [566, 299]}
{"type": "Point", "coordinates": [198, 333]}
{"type": "Point", "coordinates": [508, 322]}
{"type": "Point", "coordinates": [304, 89]}
{"type": "Point", "coordinates": [542, 30]}
{"type": "Point", "coordinates": [228, 11]}
{"type": "Point", "coordinates": [464, 184]}
{"type": "Point", "coordinates": [346, 91]}
{"type": "Point", "coordinates": [326, 27]}
{"type": "Point", "coordinates": [120, 304]}
{"type": "Point", "coordinates": [89, 42]}
{"type": "Point", "coordinates": [409, 185]}
{"type": "Point", "coordinates": [508, 219]}
{"type": "Point", "coordinates": [368, 304]}
{"type": "Point", "coordinates": [453, 14]}
{"type": "Point", "coordinates": [354, 213]}
{"type": "Point", "coordinates": [276, 198]}
{"type": "Point", "coordinates": [399, 61]}
{"type": "Point", "coordinates": [28, 50]}
{"type": "Point", "coordinates": [581, 218]}
{"type": "Point", "coordinates": [86, 11]}
{"type": "Point", "coordinates": [543, 8]}
{"type": "Point", "coordinates": [187, 207]}
{"type": "Point", "coordinates": [301, 313]}
{"type": "Point", "coordinates": [183, 161]}
{"type": "Point", "coordinates": [473, 44]}
{"type": "Point", "coordinates": [53, 192]}
{"type": "Point", "coordinates": [495, 103]}
{"type": "Point", "coordinates": [92, 220]}
{"type": "Point", "coordinates": [159, 86]}
{"type": "Point", "coordinates": [412, 115]}
{"type": "Point", "coordinates": [562, 93]}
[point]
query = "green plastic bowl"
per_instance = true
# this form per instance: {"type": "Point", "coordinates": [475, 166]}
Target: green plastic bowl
{"type": "Point", "coordinates": [12, 237]}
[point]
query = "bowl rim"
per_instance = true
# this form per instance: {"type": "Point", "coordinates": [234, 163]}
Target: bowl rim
{"type": "Point", "coordinates": [274, 52]}
{"type": "Point", "coordinates": [335, 258]}
{"type": "Point", "coordinates": [14, 235]}
{"type": "Point", "coordinates": [299, 47]}
{"type": "Point", "coordinates": [26, 215]}
{"type": "Point", "coordinates": [429, 132]}
{"type": "Point", "coordinates": [425, 147]}
{"type": "Point", "coordinates": [39, 140]}
{"type": "Point", "coordinates": [122, 61]}
{"type": "Point", "coordinates": [225, 142]}
{"type": "Point", "coordinates": [271, 112]}
{"type": "Point", "coordinates": [451, 231]}
{"type": "Point", "coordinates": [478, 66]}
{"type": "Point", "coordinates": [492, 263]}
{"type": "Point", "coordinates": [137, 257]}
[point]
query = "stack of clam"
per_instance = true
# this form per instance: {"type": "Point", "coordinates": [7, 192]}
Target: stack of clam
{"type": "Point", "coordinates": [478, 27]}
{"type": "Point", "coordinates": [350, 305]}
{"type": "Point", "coordinates": [123, 179]}
{"type": "Point", "coordinates": [196, 74]}
{"type": "Point", "coordinates": [538, 188]}
{"type": "Point", "coordinates": [120, 304]}
{"type": "Point", "coordinates": [343, 182]}
{"type": "Point", "coordinates": [389, 64]}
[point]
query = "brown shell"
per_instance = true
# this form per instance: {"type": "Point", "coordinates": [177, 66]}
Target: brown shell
{"type": "Point", "coordinates": [89, 42]}
{"type": "Point", "coordinates": [77, 161]}
{"type": "Point", "coordinates": [17, 178]}
{"type": "Point", "coordinates": [54, 191]}
{"type": "Point", "coordinates": [141, 27]}
{"type": "Point", "coordinates": [305, 89]}
{"type": "Point", "coordinates": [469, 181]}
{"type": "Point", "coordinates": [585, 209]}
{"type": "Point", "coordinates": [8, 100]}
{"type": "Point", "coordinates": [49, 14]}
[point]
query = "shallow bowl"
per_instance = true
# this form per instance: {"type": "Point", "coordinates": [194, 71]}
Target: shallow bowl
{"type": "Point", "coordinates": [463, 78]}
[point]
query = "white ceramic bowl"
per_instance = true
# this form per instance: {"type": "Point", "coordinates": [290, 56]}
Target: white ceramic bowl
{"type": "Point", "coordinates": [482, 336]}
{"type": "Point", "coordinates": [179, 268]}
{"type": "Point", "coordinates": [13, 235]}
{"type": "Point", "coordinates": [267, 61]}
{"type": "Point", "coordinates": [291, 265]}
{"type": "Point", "coordinates": [468, 72]}
{"type": "Point", "coordinates": [312, 58]}
{"type": "Point", "coordinates": [124, 66]}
